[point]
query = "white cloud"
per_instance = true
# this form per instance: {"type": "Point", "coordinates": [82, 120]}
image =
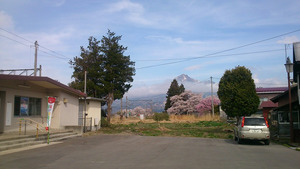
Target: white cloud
{"type": "Point", "coordinates": [59, 2]}
{"type": "Point", "coordinates": [55, 40]}
{"type": "Point", "coordinates": [148, 90]}
{"type": "Point", "coordinates": [127, 6]}
{"type": "Point", "coordinates": [55, 3]}
{"type": "Point", "coordinates": [175, 40]}
{"type": "Point", "coordinates": [134, 12]}
{"type": "Point", "coordinates": [194, 67]}
{"type": "Point", "coordinates": [6, 21]}
{"type": "Point", "coordinates": [269, 82]}
{"type": "Point", "coordinates": [288, 40]}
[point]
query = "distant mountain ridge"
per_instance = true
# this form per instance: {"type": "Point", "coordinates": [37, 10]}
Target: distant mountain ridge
{"type": "Point", "coordinates": [158, 101]}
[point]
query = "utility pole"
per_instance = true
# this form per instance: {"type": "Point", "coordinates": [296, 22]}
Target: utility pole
{"type": "Point", "coordinates": [84, 120]}
{"type": "Point", "coordinates": [212, 98]}
{"type": "Point", "coordinates": [126, 105]}
{"type": "Point", "coordinates": [121, 106]}
{"type": "Point", "coordinates": [35, 57]}
{"type": "Point", "coordinates": [40, 70]}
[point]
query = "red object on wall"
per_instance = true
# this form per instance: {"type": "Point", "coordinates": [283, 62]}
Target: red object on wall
{"type": "Point", "coordinates": [51, 99]}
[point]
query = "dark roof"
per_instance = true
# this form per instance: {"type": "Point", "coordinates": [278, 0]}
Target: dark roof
{"type": "Point", "coordinates": [276, 98]}
{"type": "Point", "coordinates": [42, 81]}
{"type": "Point", "coordinates": [271, 90]}
{"type": "Point", "coordinates": [268, 104]}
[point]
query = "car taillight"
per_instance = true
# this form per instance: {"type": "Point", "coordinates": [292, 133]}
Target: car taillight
{"type": "Point", "coordinates": [267, 123]}
{"type": "Point", "coordinates": [243, 121]}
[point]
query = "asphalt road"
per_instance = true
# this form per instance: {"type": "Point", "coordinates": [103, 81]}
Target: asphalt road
{"type": "Point", "coordinates": [142, 152]}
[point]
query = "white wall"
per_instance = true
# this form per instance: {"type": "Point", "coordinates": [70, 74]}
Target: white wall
{"type": "Point", "coordinates": [10, 98]}
{"type": "Point", "coordinates": [64, 114]}
{"type": "Point", "coordinates": [68, 110]}
{"type": "Point", "coordinates": [94, 111]}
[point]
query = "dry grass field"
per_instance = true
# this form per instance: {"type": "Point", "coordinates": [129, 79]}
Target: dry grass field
{"type": "Point", "coordinates": [179, 126]}
{"type": "Point", "coordinates": [173, 119]}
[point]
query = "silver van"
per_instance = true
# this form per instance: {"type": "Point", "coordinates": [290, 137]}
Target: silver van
{"type": "Point", "coordinates": [252, 128]}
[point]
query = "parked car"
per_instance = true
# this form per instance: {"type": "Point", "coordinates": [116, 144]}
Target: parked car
{"type": "Point", "coordinates": [252, 128]}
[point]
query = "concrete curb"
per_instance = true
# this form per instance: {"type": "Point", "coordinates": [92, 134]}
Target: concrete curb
{"type": "Point", "coordinates": [27, 148]}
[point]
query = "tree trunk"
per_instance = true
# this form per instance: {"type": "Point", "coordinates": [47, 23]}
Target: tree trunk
{"type": "Point", "coordinates": [110, 100]}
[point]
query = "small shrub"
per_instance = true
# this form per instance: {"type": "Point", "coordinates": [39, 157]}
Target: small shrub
{"type": "Point", "coordinates": [104, 122]}
{"type": "Point", "coordinates": [161, 116]}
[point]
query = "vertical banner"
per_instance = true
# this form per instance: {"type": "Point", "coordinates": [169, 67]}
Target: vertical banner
{"type": "Point", "coordinates": [51, 101]}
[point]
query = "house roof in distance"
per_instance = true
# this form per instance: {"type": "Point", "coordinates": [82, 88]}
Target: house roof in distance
{"type": "Point", "coordinates": [45, 82]}
{"type": "Point", "coordinates": [271, 89]}
{"type": "Point", "coordinates": [268, 104]}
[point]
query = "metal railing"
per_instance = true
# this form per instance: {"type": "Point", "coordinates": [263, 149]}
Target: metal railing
{"type": "Point", "coordinates": [24, 72]}
{"type": "Point", "coordinates": [88, 123]}
{"type": "Point", "coordinates": [27, 121]}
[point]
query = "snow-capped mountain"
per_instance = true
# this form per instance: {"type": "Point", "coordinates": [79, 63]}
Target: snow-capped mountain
{"type": "Point", "coordinates": [185, 78]}
{"type": "Point", "coordinates": [192, 84]}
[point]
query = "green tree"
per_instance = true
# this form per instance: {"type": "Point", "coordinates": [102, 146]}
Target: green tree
{"type": "Point", "coordinates": [174, 89]}
{"type": "Point", "coordinates": [237, 92]}
{"type": "Point", "coordinates": [109, 70]}
{"type": "Point", "coordinates": [90, 60]}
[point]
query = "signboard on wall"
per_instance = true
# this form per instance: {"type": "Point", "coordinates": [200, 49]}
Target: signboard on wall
{"type": "Point", "coordinates": [24, 106]}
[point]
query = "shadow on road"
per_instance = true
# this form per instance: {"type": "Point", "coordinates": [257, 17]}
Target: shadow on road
{"type": "Point", "coordinates": [247, 142]}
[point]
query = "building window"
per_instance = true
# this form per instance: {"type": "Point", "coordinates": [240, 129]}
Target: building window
{"type": "Point", "coordinates": [27, 106]}
{"type": "Point", "coordinates": [284, 118]}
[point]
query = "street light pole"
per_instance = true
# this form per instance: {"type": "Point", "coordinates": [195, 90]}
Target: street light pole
{"type": "Point", "coordinates": [289, 68]}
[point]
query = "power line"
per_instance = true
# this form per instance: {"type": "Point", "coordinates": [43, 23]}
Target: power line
{"type": "Point", "coordinates": [245, 53]}
{"type": "Point", "coordinates": [16, 35]}
{"type": "Point", "coordinates": [30, 46]}
{"type": "Point", "coordinates": [65, 57]}
{"type": "Point", "coordinates": [61, 56]}
{"type": "Point", "coordinates": [15, 41]}
{"type": "Point", "coordinates": [52, 55]}
{"type": "Point", "coordinates": [226, 50]}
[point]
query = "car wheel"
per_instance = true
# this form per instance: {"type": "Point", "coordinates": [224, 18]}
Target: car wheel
{"type": "Point", "coordinates": [267, 142]}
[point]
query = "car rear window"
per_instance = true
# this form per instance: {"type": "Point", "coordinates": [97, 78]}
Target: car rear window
{"type": "Point", "coordinates": [255, 122]}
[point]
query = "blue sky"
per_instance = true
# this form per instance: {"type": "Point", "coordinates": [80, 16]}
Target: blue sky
{"type": "Point", "coordinates": [155, 32]}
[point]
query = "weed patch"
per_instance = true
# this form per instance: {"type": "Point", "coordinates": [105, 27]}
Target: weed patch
{"type": "Point", "coordinates": [204, 129]}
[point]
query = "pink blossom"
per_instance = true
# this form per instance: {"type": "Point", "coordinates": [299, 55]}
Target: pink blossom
{"type": "Point", "coordinates": [205, 105]}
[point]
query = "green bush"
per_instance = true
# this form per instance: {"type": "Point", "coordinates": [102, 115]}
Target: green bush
{"type": "Point", "coordinates": [161, 116]}
{"type": "Point", "coordinates": [104, 122]}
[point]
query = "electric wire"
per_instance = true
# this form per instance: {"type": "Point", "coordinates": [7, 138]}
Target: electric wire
{"type": "Point", "coordinates": [16, 35]}
{"type": "Point", "coordinates": [177, 60]}
{"type": "Point", "coordinates": [15, 40]}
{"type": "Point", "coordinates": [223, 51]}
{"type": "Point", "coordinates": [61, 56]}
{"type": "Point", "coordinates": [49, 54]}
{"type": "Point", "coordinates": [233, 54]}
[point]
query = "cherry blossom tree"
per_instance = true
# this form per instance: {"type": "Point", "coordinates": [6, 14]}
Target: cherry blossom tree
{"type": "Point", "coordinates": [205, 105]}
{"type": "Point", "coordinates": [138, 110]}
{"type": "Point", "coordinates": [184, 103]}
